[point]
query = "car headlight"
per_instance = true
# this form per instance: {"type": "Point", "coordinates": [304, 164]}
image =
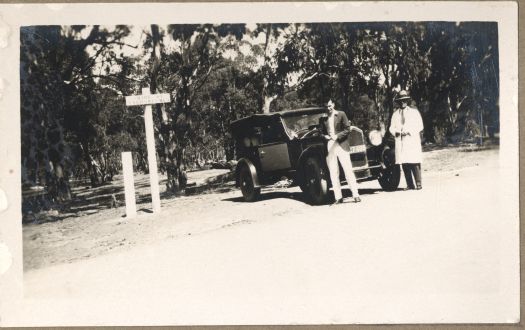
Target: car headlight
{"type": "Point", "coordinates": [375, 137]}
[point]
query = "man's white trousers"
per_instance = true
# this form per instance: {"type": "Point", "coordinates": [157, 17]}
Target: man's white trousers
{"type": "Point", "coordinates": [335, 152]}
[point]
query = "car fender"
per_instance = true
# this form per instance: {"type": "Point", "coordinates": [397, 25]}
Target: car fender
{"type": "Point", "coordinates": [388, 156]}
{"type": "Point", "coordinates": [318, 151]}
{"type": "Point", "coordinates": [253, 170]}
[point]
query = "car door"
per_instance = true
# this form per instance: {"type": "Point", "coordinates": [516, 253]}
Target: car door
{"type": "Point", "coordinates": [274, 156]}
{"type": "Point", "coordinates": [273, 152]}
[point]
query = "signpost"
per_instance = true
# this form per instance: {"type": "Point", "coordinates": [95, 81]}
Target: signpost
{"type": "Point", "coordinates": [148, 99]}
{"type": "Point", "coordinates": [129, 186]}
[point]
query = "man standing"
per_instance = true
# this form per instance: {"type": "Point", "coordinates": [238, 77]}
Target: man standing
{"type": "Point", "coordinates": [406, 124]}
{"type": "Point", "coordinates": [336, 128]}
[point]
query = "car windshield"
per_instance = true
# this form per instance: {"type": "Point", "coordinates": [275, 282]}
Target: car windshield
{"type": "Point", "coordinates": [299, 123]}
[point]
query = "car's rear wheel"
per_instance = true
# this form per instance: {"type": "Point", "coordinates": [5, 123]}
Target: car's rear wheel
{"type": "Point", "coordinates": [315, 181]}
{"type": "Point", "coordinates": [250, 193]}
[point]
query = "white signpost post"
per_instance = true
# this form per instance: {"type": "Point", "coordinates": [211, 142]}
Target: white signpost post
{"type": "Point", "coordinates": [148, 99]}
{"type": "Point", "coordinates": [129, 186]}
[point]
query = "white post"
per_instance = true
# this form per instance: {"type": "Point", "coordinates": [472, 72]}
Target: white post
{"type": "Point", "coordinates": [129, 184]}
{"type": "Point", "coordinates": [152, 155]}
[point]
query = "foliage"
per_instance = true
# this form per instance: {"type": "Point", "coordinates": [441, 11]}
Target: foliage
{"type": "Point", "coordinates": [64, 123]}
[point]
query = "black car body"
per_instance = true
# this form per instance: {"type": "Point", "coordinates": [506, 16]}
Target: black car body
{"type": "Point", "coordinates": [289, 144]}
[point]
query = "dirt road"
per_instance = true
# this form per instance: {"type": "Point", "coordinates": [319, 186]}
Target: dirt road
{"type": "Point", "coordinates": [406, 256]}
{"type": "Point", "coordinates": [93, 229]}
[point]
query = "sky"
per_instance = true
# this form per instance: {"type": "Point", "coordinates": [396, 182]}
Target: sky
{"type": "Point", "coordinates": [138, 35]}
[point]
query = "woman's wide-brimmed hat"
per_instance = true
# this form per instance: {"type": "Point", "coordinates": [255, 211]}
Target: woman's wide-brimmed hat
{"type": "Point", "coordinates": [403, 95]}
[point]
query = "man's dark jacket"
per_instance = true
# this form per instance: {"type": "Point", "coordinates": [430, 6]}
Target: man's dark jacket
{"type": "Point", "coordinates": [341, 128]}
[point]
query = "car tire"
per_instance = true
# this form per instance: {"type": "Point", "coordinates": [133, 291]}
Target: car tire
{"type": "Point", "coordinates": [250, 193]}
{"type": "Point", "coordinates": [315, 181]}
{"type": "Point", "coordinates": [390, 177]}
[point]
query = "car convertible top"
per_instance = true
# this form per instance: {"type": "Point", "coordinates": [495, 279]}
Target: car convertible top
{"type": "Point", "coordinates": [261, 119]}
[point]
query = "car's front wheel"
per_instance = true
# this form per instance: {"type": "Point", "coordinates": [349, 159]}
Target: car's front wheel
{"type": "Point", "coordinates": [315, 181]}
{"type": "Point", "coordinates": [391, 174]}
{"type": "Point", "coordinates": [250, 193]}
{"type": "Point", "coordinates": [390, 177]}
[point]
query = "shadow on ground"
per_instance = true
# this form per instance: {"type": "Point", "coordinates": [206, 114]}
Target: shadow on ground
{"type": "Point", "coordinates": [488, 143]}
{"type": "Point", "coordinates": [88, 199]}
{"type": "Point", "coordinates": [299, 196]}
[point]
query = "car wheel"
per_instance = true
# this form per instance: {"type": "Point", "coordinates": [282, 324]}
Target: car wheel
{"type": "Point", "coordinates": [316, 181]}
{"type": "Point", "coordinates": [249, 191]}
{"type": "Point", "coordinates": [389, 178]}
{"type": "Point", "coordinates": [303, 187]}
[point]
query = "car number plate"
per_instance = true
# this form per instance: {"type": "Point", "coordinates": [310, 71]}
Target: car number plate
{"type": "Point", "coordinates": [355, 149]}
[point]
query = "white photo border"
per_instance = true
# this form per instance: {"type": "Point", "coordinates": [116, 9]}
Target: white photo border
{"type": "Point", "coordinates": [21, 311]}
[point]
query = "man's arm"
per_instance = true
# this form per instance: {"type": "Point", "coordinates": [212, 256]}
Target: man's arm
{"type": "Point", "coordinates": [418, 122]}
{"type": "Point", "coordinates": [394, 128]}
{"type": "Point", "coordinates": [346, 128]}
{"type": "Point", "coordinates": [323, 127]}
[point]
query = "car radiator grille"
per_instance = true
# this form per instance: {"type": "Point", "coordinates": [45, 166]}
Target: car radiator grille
{"type": "Point", "coordinates": [356, 138]}
{"type": "Point", "coordinates": [358, 160]}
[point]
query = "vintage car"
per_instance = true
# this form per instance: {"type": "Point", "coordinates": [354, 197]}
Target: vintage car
{"type": "Point", "coordinates": [289, 144]}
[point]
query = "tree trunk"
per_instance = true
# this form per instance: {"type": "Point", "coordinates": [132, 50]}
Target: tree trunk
{"type": "Point", "coordinates": [92, 169]}
{"type": "Point", "coordinates": [176, 173]}
{"type": "Point", "coordinates": [267, 99]}
{"type": "Point", "coordinates": [229, 149]}
{"type": "Point", "coordinates": [268, 102]}
{"type": "Point", "coordinates": [63, 190]}
{"type": "Point", "coordinates": [169, 157]}
{"type": "Point", "coordinates": [389, 105]}
{"type": "Point", "coordinates": [344, 85]}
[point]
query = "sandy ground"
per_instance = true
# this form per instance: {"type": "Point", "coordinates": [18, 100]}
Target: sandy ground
{"type": "Point", "coordinates": [435, 255]}
{"type": "Point", "coordinates": [96, 229]}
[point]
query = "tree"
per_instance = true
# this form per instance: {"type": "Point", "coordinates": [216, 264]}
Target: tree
{"type": "Point", "coordinates": [271, 78]}
{"type": "Point", "coordinates": [183, 72]}
{"type": "Point", "coordinates": [55, 65]}
{"type": "Point", "coordinates": [229, 94]}
{"type": "Point", "coordinates": [463, 83]}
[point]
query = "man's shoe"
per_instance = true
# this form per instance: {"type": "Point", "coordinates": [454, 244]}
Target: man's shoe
{"type": "Point", "coordinates": [357, 199]}
{"type": "Point", "coordinates": [337, 201]}
{"type": "Point", "coordinates": [419, 187]}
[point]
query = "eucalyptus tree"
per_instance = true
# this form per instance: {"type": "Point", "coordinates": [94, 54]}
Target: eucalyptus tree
{"type": "Point", "coordinates": [56, 63]}
{"type": "Point", "coordinates": [463, 83]}
{"type": "Point", "coordinates": [228, 95]}
{"type": "Point", "coordinates": [330, 60]}
{"type": "Point", "coordinates": [269, 74]}
{"type": "Point", "coordinates": [400, 61]}
{"type": "Point", "coordinates": [186, 66]}
{"type": "Point", "coordinates": [478, 77]}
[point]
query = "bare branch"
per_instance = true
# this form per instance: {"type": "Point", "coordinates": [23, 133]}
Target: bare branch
{"type": "Point", "coordinates": [458, 104]}
{"type": "Point", "coordinates": [202, 82]}
{"type": "Point", "coordinates": [301, 82]}
{"type": "Point", "coordinates": [306, 79]}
